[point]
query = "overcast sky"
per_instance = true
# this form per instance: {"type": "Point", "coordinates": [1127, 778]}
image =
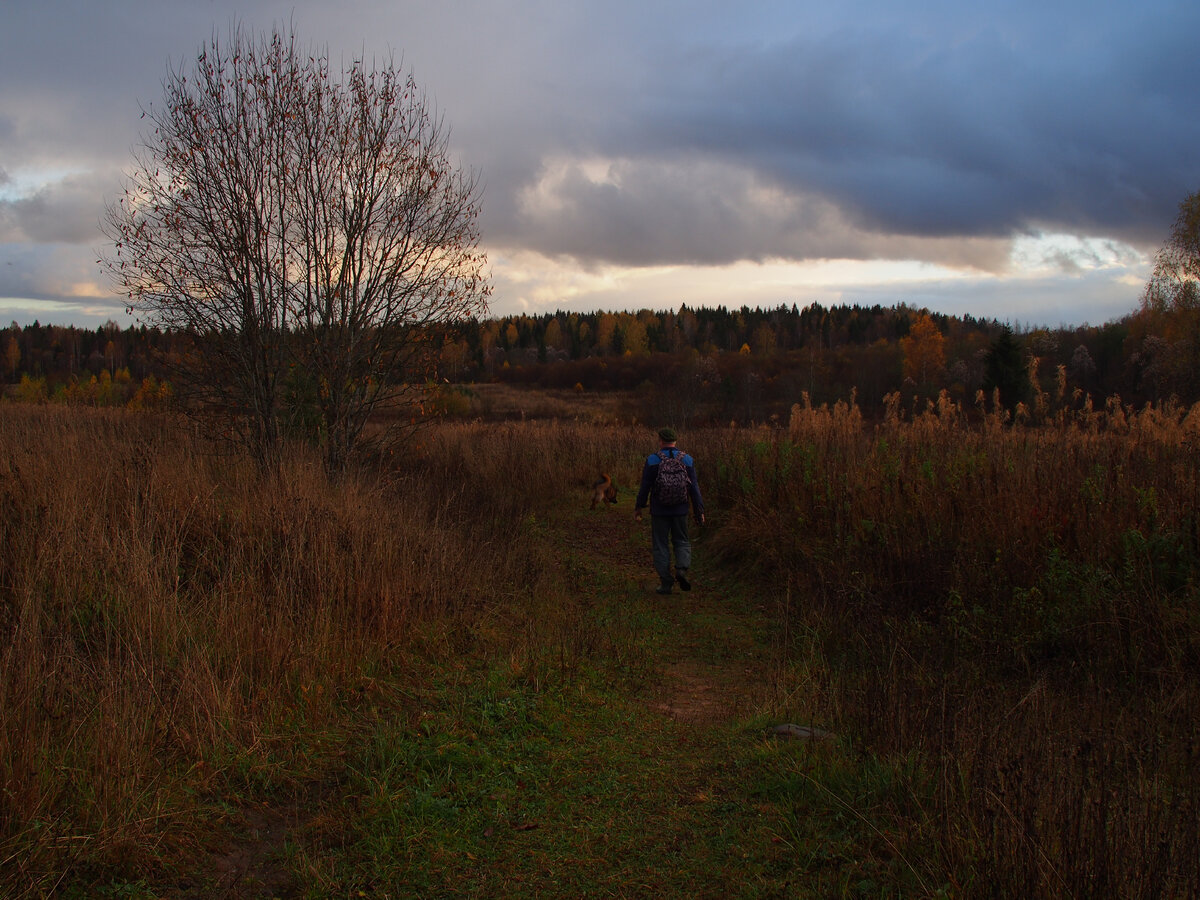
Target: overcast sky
{"type": "Point", "coordinates": [1019, 160]}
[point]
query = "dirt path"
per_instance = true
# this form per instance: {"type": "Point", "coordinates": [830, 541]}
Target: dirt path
{"type": "Point", "coordinates": [711, 663]}
{"type": "Point", "coordinates": [718, 656]}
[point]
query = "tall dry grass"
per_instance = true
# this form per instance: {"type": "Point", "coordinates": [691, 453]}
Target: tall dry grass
{"type": "Point", "coordinates": [173, 620]}
{"type": "Point", "coordinates": [1015, 605]}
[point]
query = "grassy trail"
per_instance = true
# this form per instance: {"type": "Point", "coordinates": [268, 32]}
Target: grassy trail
{"type": "Point", "coordinates": [713, 653]}
{"type": "Point", "coordinates": [622, 752]}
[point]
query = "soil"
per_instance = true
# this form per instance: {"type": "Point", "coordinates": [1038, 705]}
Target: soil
{"type": "Point", "coordinates": [250, 867]}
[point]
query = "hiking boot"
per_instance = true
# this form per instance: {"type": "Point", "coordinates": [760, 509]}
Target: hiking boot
{"type": "Point", "coordinates": [664, 588]}
{"type": "Point", "coordinates": [681, 577]}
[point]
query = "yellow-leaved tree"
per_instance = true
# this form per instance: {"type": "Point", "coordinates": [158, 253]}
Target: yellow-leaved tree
{"type": "Point", "coordinates": [924, 349]}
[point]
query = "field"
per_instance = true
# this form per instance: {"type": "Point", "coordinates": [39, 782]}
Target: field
{"type": "Point", "coordinates": [446, 676]}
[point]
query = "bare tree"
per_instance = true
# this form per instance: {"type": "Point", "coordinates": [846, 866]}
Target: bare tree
{"type": "Point", "coordinates": [1170, 305]}
{"type": "Point", "coordinates": [307, 231]}
{"type": "Point", "coordinates": [390, 244]}
{"type": "Point", "coordinates": [1176, 279]}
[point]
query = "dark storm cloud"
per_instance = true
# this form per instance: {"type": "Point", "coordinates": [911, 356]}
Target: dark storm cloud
{"type": "Point", "coordinates": [982, 134]}
{"type": "Point", "coordinates": [66, 211]}
{"type": "Point", "coordinates": [699, 212]}
{"type": "Point", "coordinates": [680, 132]}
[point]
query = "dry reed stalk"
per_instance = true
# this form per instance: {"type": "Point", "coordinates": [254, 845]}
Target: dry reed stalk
{"type": "Point", "coordinates": [170, 615]}
{"type": "Point", "coordinates": [955, 568]}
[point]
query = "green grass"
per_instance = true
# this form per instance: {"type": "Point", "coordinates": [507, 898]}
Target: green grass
{"type": "Point", "coordinates": [491, 781]}
{"type": "Point", "coordinates": [528, 755]}
{"type": "Point", "coordinates": [496, 789]}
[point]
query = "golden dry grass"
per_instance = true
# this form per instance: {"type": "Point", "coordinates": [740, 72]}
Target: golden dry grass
{"type": "Point", "coordinates": [1012, 608]}
{"type": "Point", "coordinates": [170, 614]}
{"type": "Point", "coordinates": [1016, 605]}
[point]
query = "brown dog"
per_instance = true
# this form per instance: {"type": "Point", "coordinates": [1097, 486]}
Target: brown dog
{"type": "Point", "coordinates": [605, 491]}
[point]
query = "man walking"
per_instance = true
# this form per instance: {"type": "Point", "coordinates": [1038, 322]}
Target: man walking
{"type": "Point", "coordinates": [669, 483]}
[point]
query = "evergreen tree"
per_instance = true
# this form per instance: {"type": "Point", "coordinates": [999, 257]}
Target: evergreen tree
{"type": "Point", "coordinates": [1005, 368]}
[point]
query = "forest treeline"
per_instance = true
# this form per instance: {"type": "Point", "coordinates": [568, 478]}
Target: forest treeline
{"type": "Point", "coordinates": [744, 364]}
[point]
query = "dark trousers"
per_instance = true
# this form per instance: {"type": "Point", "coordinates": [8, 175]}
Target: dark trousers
{"type": "Point", "coordinates": [667, 532]}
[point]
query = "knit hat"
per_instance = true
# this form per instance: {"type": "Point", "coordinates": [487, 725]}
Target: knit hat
{"type": "Point", "coordinates": [667, 435]}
